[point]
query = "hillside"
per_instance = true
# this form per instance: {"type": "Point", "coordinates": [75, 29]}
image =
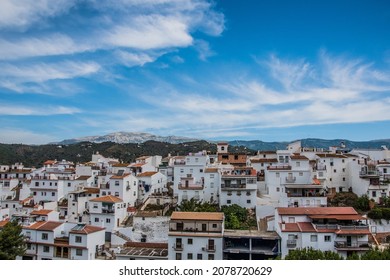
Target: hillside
{"type": "Point", "coordinates": [31, 155]}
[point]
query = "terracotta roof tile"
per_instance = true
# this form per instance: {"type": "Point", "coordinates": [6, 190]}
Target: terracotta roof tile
{"type": "Point", "coordinates": [147, 174]}
{"type": "Point", "coordinates": [298, 157]}
{"type": "Point", "coordinates": [83, 178]}
{"type": "Point", "coordinates": [42, 212]}
{"type": "Point", "coordinates": [107, 198]}
{"type": "Point", "coordinates": [205, 216]}
{"type": "Point", "coordinates": [87, 230]}
{"type": "Point", "coordinates": [3, 223]}
{"type": "Point", "coordinates": [263, 160]}
{"type": "Point", "coordinates": [316, 211]}
{"type": "Point", "coordinates": [120, 176]}
{"type": "Point", "coordinates": [45, 225]}
{"type": "Point", "coordinates": [211, 170]}
{"type": "Point", "coordinates": [331, 156]}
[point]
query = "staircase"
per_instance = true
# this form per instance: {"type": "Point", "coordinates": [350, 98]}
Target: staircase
{"type": "Point", "coordinates": [121, 235]}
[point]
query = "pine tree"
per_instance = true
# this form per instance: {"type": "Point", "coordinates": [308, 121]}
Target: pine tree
{"type": "Point", "coordinates": [12, 242]}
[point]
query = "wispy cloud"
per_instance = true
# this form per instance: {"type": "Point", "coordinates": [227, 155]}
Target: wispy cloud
{"type": "Point", "coordinates": [33, 110]}
{"type": "Point", "coordinates": [12, 136]}
{"type": "Point", "coordinates": [313, 93]}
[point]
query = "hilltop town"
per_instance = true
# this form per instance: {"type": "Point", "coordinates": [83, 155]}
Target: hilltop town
{"type": "Point", "coordinates": [202, 206]}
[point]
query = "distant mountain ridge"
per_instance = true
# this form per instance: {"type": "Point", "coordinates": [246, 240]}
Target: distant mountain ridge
{"type": "Point", "coordinates": [142, 137]}
{"type": "Point", "coordinates": [312, 143]}
{"type": "Point", "coordinates": [127, 137]}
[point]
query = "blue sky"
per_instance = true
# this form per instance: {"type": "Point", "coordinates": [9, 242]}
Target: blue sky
{"type": "Point", "coordinates": [220, 70]}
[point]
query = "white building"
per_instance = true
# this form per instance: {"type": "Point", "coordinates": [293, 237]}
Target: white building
{"type": "Point", "coordinates": [195, 236]}
{"type": "Point", "coordinates": [336, 229]}
{"type": "Point", "coordinates": [151, 182]}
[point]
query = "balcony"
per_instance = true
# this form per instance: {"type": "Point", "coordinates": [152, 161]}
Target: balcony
{"type": "Point", "coordinates": [108, 210]}
{"type": "Point", "coordinates": [233, 186]}
{"type": "Point", "coordinates": [291, 243]}
{"type": "Point", "coordinates": [209, 248]}
{"type": "Point", "coordinates": [369, 173]}
{"type": "Point", "coordinates": [357, 245]}
{"type": "Point", "coordinates": [291, 179]}
{"type": "Point", "coordinates": [178, 247]}
{"type": "Point", "coordinates": [198, 186]}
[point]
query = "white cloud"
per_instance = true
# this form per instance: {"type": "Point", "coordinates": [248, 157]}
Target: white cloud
{"type": "Point", "coordinates": [151, 32]}
{"type": "Point", "coordinates": [23, 13]}
{"type": "Point", "coordinates": [14, 136]}
{"type": "Point", "coordinates": [33, 77]}
{"type": "Point", "coordinates": [19, 110]}
{"type": "Point", "coordinates": [203, 49]}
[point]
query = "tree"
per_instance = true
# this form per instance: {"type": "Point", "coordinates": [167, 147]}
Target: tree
{"type": "Point", "coordinates": [12, 242]}
{"type": "Point", "coordinates": [362, 203]}
{"type": "Point", "coordinates": [312, 254]}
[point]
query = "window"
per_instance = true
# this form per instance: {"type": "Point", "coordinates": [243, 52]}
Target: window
{"type": "Point", "coordinates": [313, 238]}
{"type": "Point", "coordinates": [77, 239]}
{"type": "Point", "coordinates": [46, 249]}
{"type": "Point", "coordinates": [327, 238]}
{"type": "Point", "coordinates": [297, 164]}
{"type": "Point", "coordinates": [95, 205]}
{"type": "Point", "coordinates": [211, 176]}
{"type": "Point", "coordinates": [191, 170]}
{"type": "Point", "coordinates": [189, 241]}
{"type": "Point", "coordinates": [108, 220]}
{"type": "Point", "coordinates": [201, 170]}
{"type": "Point", "coordinates": [178, 256]}
{"type": "Point", "coordinates": [291, 219]}
{"type": "Point", "coordinates": [37, 184]}
{"type": "Point", "coordinates": [189, 256]}
{"type": "Point", "coordinates": [34, 193]}
{"type": "Point", "coordinates": [45, 236]}
{"type": "Point", "coordinates": [300, 173]}
{"type": "Point", "coordinates": [344, 179]}
{"type": "Point", "coordinates": [334, 170]}
{"type": "Point", "coordinates": [342, 161]}
{"type": "Point", "coordinates": [199, 257]}
{"type": "Point", "coordinates": [116, 183]}
{"type": "Point", "coordinates": [343, 169]}
{"type": "Point", "coordinates": [69, 184]}
{"type": "Point", "coordinates": [214, 225]}
{"type": "Point", "coordinates": [212, 185]}
{"type": "Point", "coordinates": [104, 193]}
{"type": "Point", "coordinates": [96, 220]}
{"type": "Point", "coordinates": [248, 201]}
{"type": "Point", "coordinates": [277, 174]}
{"type": "Point", "coordinates": [53, 194]}
{"type": "Point", "coordinates": [50, 184]}
{"type": "Point", "coordinates": [79, 252]}
{"type": "Point", "coordinates": [248, 193]}
{"type": "Point", "coordinates": [181, 170]}
{"type": "Point", "coordinates": [28, 246]}
{"type": "Point", "coordinates": [277, 189]}
{"type": "Point", "coordinates": [330, 179]}
{"type": "Point", "coordinates": [210, 256]}
{"type": "Point", "coordinates": [235, 157]}
{"type": "Point", "coordinates": [373, 193]}
{"type": "Point", "coordinates": [116, 193]}
{"type": "Point", "coordinates": [228, 201]}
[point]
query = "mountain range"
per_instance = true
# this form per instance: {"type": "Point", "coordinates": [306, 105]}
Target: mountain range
{"type": "Point", "coordinates": [142, 137]}
{"type": "Point", "coordinates": [127, 137]}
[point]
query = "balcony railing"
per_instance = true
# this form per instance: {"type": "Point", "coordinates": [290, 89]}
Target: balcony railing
{"type": "Point", "coordinates": [210, 248]}
{"type": "Point", "coordinates": [233, 186]}
{"type": "Point", "coordinates": [198, 186]}
{"type": "Point", "coordinates": [108, 211]}
{"type": "Point", "coordinates": [361, 245]}
{"type": "Point", "coordinates": [291, 243]}
{"type": "Point", "coordinates": [339, 227]}
{"type": "Point", "coordinates": [291, 179]}
{"type": "Point", "coordinates": [178, 247]}
{"type": "Point", "coordinates": [372, 173]}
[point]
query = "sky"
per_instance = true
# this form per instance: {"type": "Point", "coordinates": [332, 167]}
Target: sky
{"type": "Point", "coordinates": [266, 70]}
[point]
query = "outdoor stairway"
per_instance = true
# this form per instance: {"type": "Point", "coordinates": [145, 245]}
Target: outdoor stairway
{"type": "Point", "coordinates": [121, 235]}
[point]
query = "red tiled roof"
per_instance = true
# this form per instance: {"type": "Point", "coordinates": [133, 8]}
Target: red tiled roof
{"type": "Point", "coordinates": [3, 223]}
{"type": "Point", "coordinates": [147, 174]}
{"type": "Point", "coordinates": [339, 217]}
{"type": "Point", "coordinates": [83, 178]}
{"type": "Point", "coordinates": [107, 198]}
{"type": "Point", "coordinates": [316, 211]}
{"type": "Point", "coordinates": [137, 164]}
{"type": "Point", "coordinates": [45, 225]}
{"type": "Point", "coordinates": [87, 230]}
{"type": "Point", "coordinates": [353, 231]}
{"type": "Point", "coordinates": [49, 162]}
{"type": "Point", "coordinates": [263, 160]}
{"type": "Point", "coordinates": [121, 165]}
{"type": "Point", "coordinates": [331, 156]}
{"type": "Point", "coordinates": [42, 212]}
{"type": "Point", "coordinates": [120, 176]}
{"type": "Point", "coordinates": [298, 157]}
{"type": "Point", "coordinates": [306, 227]}
{"type": "Point", "coordinates": [211, 170]}
{"type": "Point", "coordinates": [205, 216]}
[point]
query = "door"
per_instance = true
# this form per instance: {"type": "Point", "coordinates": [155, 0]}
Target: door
{"type": "Point", "coordinates": [349, 241]}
